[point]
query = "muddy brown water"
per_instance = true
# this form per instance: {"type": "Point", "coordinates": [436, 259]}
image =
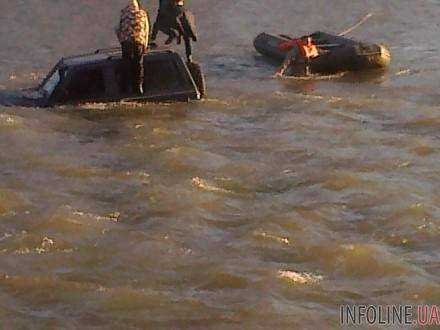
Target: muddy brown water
{"type": "Point", "coordinates": [267, 205]}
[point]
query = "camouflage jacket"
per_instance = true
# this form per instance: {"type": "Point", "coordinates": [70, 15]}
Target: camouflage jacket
{"type": "Point", "coordinates": [133, 25]}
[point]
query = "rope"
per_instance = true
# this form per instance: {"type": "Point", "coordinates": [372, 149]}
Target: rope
{"type": "Point", "coordinates": [362, 21]}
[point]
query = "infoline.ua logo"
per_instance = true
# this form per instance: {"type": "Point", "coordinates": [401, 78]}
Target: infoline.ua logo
{"type": "Point", "coordinates": [389, 315]}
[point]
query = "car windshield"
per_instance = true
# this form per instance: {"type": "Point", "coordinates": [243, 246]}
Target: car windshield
{"type": "Point", "coordinates": [51, 83]}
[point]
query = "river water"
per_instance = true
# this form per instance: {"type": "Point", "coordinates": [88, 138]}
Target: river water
{"type": "Point", "coordinates": [267, 205]}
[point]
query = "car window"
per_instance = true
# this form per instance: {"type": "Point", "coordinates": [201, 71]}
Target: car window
{"type": "Point", "coordinates": [85, 84]}
{"type": "Point", "coordinates": [161, 76]}
{"type": "Point", "coordinates": [51, 83]}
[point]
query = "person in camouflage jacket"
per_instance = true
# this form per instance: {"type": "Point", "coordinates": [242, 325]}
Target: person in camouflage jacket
{"type": "Point", "coordinates": [132, 33]}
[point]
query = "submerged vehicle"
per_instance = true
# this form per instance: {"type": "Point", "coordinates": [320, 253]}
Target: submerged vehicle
{"type": "Point", "coordinates": [97, 77]}
{"type": "Point", "coordinates": [335, 53]}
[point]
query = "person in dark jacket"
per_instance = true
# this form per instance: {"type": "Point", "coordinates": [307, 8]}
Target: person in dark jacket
{"type": "Point", "coordinates": [166, 21]}
{"type": "Point", "coordinates": [133, 33]}
{"type": "Point", "coordinates": [176, 21]}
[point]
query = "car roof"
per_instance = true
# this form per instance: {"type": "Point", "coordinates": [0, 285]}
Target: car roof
{"type": "Point", "coordinates": [104, 54]}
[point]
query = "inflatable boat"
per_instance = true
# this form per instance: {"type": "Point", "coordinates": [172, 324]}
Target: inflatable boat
{"type": "Point", "coordinates": [335, 53]}
{"type": "Point", "coordinates": [97, 77]}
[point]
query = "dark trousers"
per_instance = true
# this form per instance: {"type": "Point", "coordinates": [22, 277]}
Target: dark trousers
{"type": "Point", "coordinates": [166, 21]}
{"type": "Point", "coordinates": [163, 25]}
{"type": "Point", "coordinates": [171, 29]}
{"type": "Point", "coordinates": [188, 48]}
{"type": "Point", "coordinates": [133, 61]}
{"type": "Point", "coordinates": [173, 21]}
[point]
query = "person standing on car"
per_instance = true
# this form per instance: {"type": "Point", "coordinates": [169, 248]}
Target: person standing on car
{"type": "Point", "coordinates": [133, 33]}
{"type": "Point", "coordinates": [166, 21]}
{"type": "Point", "coordinates": [175, 20]}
